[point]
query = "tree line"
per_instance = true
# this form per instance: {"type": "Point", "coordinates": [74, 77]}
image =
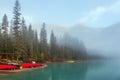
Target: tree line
{"type": "Point", "coordinates": [24, 42]}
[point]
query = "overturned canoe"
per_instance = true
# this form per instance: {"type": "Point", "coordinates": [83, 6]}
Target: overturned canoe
{"type": "Point", "coordinates": [29, 65]}
{"type": "Point", "coordinates": [22, 70]}
{"type": "Point", "coordinates": [7, 67]}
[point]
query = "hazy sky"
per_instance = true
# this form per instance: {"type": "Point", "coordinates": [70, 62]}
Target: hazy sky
{"type": "Point", "coordinates": [94, 13]}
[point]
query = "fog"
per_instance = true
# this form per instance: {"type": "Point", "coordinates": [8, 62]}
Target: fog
{"type": "Point", "coordinates": [97, 41]}
{"type": "Point", "coordinates": [103, 41]}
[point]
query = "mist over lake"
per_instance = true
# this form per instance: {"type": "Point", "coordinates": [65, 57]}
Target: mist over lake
{"type": "Point", "coordinates": [59, 40]}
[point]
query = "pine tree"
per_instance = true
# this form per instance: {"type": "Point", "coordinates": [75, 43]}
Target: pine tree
{"type": "Point", "coordinates": [5, 24]}
{"type": "Point", "coordinates": [53, 46]}
{"type": "Point", "coordinates": [23, 27]}
{"type": "Point", "coordinates": [18, 46]}
{"type": "Point", "coordinates": [11, 29]}
{"type": "Point", "coordinates": [11, 49]}
{"type": "Point", "coordinates": [43, 43]}
{"type": "Point", "coordinates": [30, 40]}
{"type": "Point", "coordinates": [24, 38]}
{"type": "Point", "coordinates": [36, 46]}
{"type": "Point", "coordinates": [0, 38]}
{"type": "Point", "coordinates": [5, 33]}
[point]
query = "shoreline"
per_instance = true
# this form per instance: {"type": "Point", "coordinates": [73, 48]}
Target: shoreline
{"type": "Point", "coordinates": [66, 61]}
{"type": "Point", "coordinates": [7, 72]}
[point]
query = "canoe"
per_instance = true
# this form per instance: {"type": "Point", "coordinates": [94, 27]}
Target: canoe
{"type": "Point", "coordinates": [6, 72]}
{"type": "Point", "coordinates": [29, 65]}
{"type": "Point", "coordinates": [7, 67]}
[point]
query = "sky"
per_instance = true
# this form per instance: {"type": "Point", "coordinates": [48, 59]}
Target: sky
{"type": "Point", "coordinates": [93, 13]}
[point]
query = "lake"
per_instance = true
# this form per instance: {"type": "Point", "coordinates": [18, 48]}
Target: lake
{"type": "Point", "coordinates": [88, 70]}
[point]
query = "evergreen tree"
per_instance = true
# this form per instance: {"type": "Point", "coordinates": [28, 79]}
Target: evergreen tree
{"type": "Point", "coordinates": [24, 38]}
{"type": "Point", "coordinates": [5, 25]}
{"type": "Point", "coordinates": [11, 48]}
{"type": "Point", "coordinates": [18, 46]}
{"type": "Point", "coordinates": [5, 34]}
{"type": "Point", "coordinates": [43, 43]}
{"type": "Point", "coordinates": [11, 29]}
{"type": "Point", "coordinates": [53, 46]}
{"type": "Point", "coordinates": [23, 27]}
{"type": "Point", "coordinates": [36, 51]}
{"type": "Point", "coordinates": [30, 40]}
{"type": "Point", "coordinates": [0, 38]}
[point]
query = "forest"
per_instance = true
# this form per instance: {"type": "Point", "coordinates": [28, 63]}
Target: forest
{"type": "Point", "coordinates": [25, 43]}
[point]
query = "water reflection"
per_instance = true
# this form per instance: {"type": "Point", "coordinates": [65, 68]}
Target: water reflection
{"type": "Point", "coordinates": [104, 70]}
{"type": "Point", "coordinates": [95, 70]}
{"type": "Point", "coordinates": [68, 71]}
{"type": "Point", "coordinates": [58, 71]}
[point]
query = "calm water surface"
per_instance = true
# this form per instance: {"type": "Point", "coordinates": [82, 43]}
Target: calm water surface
{"type": "Point", "coordinates": [91, 70]}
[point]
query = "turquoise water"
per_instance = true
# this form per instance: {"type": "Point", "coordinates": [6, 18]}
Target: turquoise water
{"type": "Point", "coordinates": [91, 70]}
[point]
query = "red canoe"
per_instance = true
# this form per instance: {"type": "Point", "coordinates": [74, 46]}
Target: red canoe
{"type": "Point", "coordinates": [29, 65]}
{"type": "Point", "coordinates": [7, 67]}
